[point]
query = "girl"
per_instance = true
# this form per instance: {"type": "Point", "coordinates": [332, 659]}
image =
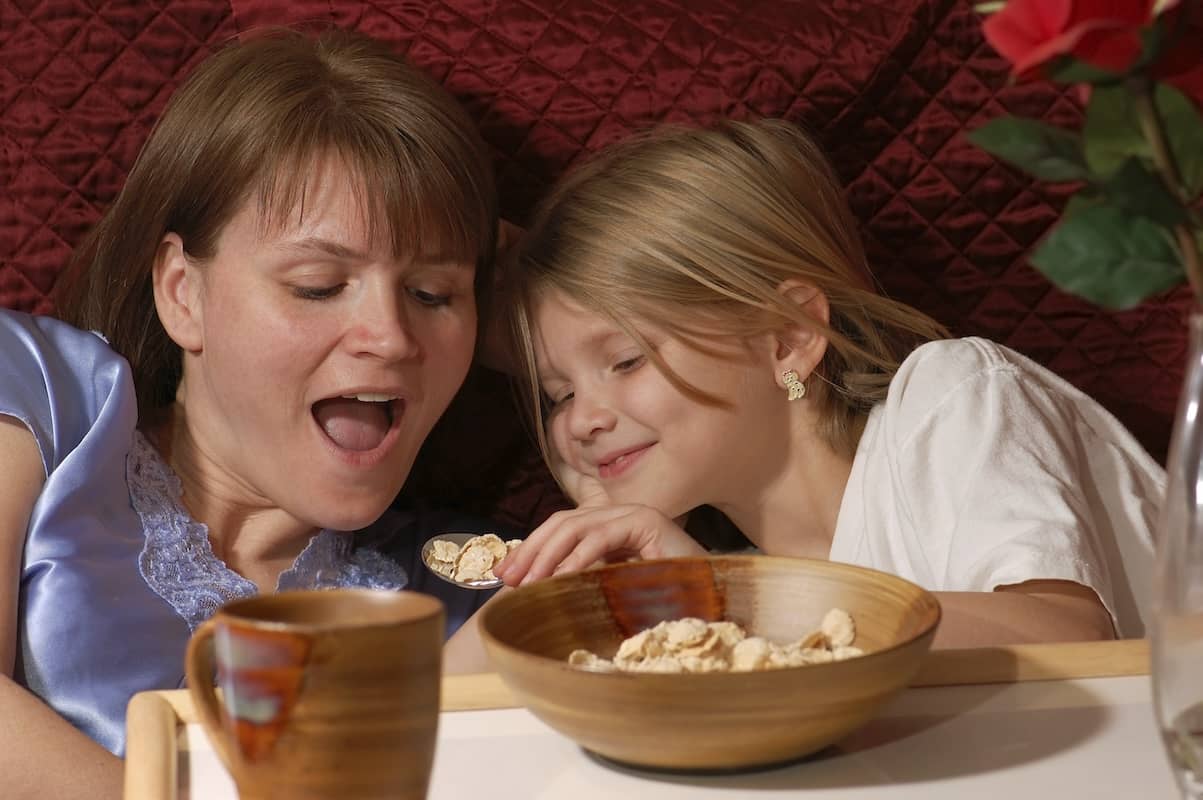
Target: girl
{"type": "Point", "coordinates": [695, 311]}
{"type": "Point", "coordinates": [287, 291]}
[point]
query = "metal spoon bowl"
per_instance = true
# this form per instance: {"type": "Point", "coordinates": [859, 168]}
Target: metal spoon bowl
{"type": "Point", "coordinates": [458, 539]}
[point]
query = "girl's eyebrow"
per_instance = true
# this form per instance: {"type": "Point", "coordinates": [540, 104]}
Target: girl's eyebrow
{"type": "Point", "coordinates": [545, 371]}
{"type": "Point", "coordinates": [603, 335]}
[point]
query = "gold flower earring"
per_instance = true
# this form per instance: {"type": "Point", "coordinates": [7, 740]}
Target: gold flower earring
{"type": "Point", "coordinates": [793, 384]}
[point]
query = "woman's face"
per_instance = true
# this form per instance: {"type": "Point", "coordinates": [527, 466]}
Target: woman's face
{"type": "Point", "coordinates": [616, 418]}
{"type": "Point", "coordinates": [323, 361]}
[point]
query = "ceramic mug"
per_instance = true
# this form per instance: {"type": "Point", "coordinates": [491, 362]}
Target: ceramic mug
{"type": "Point", "coordinates": [324, 694]}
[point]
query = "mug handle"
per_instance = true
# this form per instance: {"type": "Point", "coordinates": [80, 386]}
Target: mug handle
{"type": "Point", "coordinates": [200, 665]}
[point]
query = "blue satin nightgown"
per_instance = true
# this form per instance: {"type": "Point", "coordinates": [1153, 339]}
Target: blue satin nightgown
{"type": "Point", "coordinates": [115, 576]}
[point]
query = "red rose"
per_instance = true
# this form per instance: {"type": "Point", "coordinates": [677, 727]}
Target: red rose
{"type": "Point", "coordinates": [1181, 66]}
{"type": "Point", "coordinates": [1103, 33]}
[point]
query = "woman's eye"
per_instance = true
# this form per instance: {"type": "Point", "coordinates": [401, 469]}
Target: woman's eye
{"type": "Point", "coordinates": [628, 364]}
{"type": "Point", "coordinates": [317, 292]}
{"type": "Point", "coordinates": [430, 298]}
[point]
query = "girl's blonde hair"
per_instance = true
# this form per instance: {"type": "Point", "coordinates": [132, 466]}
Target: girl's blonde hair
{"type": "Point", "coordinates": [253, 123]}
{"type": "Point", "coordinates": [695, 231]}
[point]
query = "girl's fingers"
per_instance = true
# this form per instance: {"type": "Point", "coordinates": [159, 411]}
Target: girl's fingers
{"type": "Point", "coordinates": [515, 566]}
{"type": "Point", "coordinates": [589, 530]}
{"type": "Point", "coordinates": [518, 561]}
{"type": "Point", "coordinates": [574, 540]}
{"type": "Point", "coordinates": [597, 547]}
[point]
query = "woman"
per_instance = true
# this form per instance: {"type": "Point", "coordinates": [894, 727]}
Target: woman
{"type": "Point", "coordinates": [287, 290]}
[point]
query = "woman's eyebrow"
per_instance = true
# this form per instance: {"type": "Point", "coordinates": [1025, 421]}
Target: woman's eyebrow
{"type": "Point", "coordinates": [318, 244]}
{"type": "Point", "coordinates": [310, 245]}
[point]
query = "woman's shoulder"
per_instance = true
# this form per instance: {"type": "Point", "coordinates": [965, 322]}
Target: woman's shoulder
{"type": "Point", "coordinates": [58, 380]}
{"type": "Point", "coordinates": [29, 341]}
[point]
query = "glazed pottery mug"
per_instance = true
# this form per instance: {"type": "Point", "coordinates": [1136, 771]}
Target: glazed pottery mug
{"type": "Point", "coordinates": [323, 694]}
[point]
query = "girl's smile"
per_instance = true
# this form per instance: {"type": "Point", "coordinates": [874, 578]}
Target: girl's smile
{"type": "Point", "coordinates": [616, 417]}
{"type": "Point", "coordinates": [618, 464]}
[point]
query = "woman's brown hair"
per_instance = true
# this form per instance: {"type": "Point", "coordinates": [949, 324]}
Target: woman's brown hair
{"type": "Point", "coordinates": [250, 124]}
{"type": "Point", "coordinates": [696, 230]}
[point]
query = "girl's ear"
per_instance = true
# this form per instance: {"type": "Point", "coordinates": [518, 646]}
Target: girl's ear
{"type": "Point", "coordinates": [800, 347]}
{"type": "Point", "coordinates": [177, 294]}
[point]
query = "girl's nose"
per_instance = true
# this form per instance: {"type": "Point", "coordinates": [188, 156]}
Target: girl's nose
{"type": "Point", "coordinates": [381, 328]}
{"type": "Point", "coordinates": [587, 418]}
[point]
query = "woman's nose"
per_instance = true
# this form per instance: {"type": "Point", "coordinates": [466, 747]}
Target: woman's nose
{"type": "Point", "coordinates": [382, 329]}
{"type": "Point", "coordinates": [588, 417]}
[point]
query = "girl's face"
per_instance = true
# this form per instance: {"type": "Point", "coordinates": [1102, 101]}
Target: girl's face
{"type": "Point", "coordinates": [322, 362]}
{"type": "Point", "coordinates": [616, 418]}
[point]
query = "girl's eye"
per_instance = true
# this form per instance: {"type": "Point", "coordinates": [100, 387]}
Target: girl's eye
{"type": "Point", "coordinates": [555, 401]}
{"type": "Point", "coordinates": [317, 292]}
{"type": "Point", "coordinates": [628, 364]}
{"type": "Point", "coordinates": [430, 298]}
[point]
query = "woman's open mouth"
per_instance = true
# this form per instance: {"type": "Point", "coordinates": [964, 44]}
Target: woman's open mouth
{"type": "Point", "coordinates": [359, 423]}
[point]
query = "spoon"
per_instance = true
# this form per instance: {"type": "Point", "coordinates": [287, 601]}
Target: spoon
{"type": "Point", "coordinates": [458, 539]}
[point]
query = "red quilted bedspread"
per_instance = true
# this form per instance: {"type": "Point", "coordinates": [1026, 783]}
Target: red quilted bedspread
{"type": "Point", "coordinates": [888, 86]}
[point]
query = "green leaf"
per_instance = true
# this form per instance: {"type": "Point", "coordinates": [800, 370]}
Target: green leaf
{"type": "Point", "coordinates": [1184, 129]}
{"type": "Point", "coordinates": [1137, 190]}
{"type": "Point", "coordinates": [1112, 132]}
{"type": "Point", "coordinates": [1152, 45]}
{"type": "Point", "coordinates": [1048, 153]}
{"type": "Point", "coordinates": [1067, 69]}
{"type": "Point", "coordinates": [1107, 256]}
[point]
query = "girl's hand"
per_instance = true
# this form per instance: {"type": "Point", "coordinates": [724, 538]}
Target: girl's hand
{"type": "Point", "coordinates": [584, 490]}
{"type": "Point", "coordinates": [573, 540]}
{"type": "Point", "coordinates": [596, 530]}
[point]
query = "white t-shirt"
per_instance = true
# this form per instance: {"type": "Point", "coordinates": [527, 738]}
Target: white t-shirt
{"type": "Point", "coordinates": [983, 469]}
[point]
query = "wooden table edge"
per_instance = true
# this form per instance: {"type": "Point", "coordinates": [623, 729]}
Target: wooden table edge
{"type": "Point", "coordinates": [152, 728]}
{"type": "Point", "coordinates": [154, 718]}
{"type": "Point", "coordinates": [1034, 662]}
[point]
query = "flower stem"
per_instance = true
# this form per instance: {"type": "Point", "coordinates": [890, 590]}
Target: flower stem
{"type": "Point", "coordinates": [1153, 127]}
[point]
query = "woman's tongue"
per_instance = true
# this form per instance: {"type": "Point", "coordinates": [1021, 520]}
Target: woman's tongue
{"type": "Point", "coordinates": [353, 424]}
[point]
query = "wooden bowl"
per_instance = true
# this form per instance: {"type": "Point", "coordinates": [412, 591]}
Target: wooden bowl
{"type": "Point", "coordinates": [715, 721]}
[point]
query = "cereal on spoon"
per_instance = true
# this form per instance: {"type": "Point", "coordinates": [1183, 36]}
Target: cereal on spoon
{"type": "Point", "coordinates": [472, 562]}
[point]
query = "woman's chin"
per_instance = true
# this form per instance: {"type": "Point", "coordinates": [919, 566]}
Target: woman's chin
{"type": "Point", "coordinates": [344, 514]}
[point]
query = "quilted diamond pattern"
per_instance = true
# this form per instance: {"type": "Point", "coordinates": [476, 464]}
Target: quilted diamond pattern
{"type": "Point", "coordinates": [80, 87]}
{"type": "Point", "coordinates": [888, 86]}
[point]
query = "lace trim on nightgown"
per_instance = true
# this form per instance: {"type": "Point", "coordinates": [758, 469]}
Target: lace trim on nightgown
{"type": "Point", "coordinates": [179, 564]}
